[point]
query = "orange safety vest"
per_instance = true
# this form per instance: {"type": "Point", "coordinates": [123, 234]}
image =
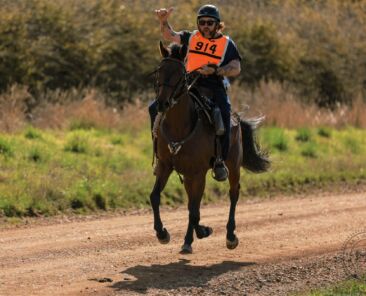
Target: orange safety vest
{"type": "Point", "coordinates": [203, 51]}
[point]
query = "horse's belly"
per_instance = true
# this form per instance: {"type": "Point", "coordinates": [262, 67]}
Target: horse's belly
{"type": "Point", "coordinates": [186, 165]}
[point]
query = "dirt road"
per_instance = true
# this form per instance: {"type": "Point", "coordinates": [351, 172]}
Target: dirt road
{"type": "Point", "coordinates": [286, 245]}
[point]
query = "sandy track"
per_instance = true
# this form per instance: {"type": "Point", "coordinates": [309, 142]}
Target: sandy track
{"type": "Point", "coordinates": [285, 244]}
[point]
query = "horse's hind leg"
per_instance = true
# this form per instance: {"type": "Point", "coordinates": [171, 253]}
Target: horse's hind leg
{"type": "Point", "coordinates": [162, 176]}
{"type": "Point", "coordinates": [194, 187]}
{"type": "Point", "coordinates": [231, 239]}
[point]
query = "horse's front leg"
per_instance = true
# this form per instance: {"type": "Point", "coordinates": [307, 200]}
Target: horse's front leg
{"type": "Point", "coordinates": [162, 175]}
{"type": "Point", "coordinates": [195, 187]}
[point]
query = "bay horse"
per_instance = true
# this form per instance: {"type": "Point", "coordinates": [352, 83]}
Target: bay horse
{"type": "Point", "coordinates": [186, 143]}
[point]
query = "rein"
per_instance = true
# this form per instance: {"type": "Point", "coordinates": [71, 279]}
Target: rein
{"type": "Point", "coordinates": [180, 87]}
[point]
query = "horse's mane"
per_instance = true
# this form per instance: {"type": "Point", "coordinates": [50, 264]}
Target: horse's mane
{"type": "Point", "coordinates": [174, 50]}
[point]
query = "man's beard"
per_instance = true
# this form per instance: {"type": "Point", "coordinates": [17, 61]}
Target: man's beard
{"type": "Point", "coordinates": [208, 33]}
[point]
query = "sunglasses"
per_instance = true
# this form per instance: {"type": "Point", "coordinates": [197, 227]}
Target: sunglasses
{"type": "Point", "coordinates": [203, 22]}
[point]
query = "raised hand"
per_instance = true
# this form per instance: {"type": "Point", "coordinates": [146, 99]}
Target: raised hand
{"type": "Point", "coordinates": [163, 13]}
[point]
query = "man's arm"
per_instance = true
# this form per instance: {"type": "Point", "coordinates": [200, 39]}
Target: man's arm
{"type": "Point", "coordinates": [230, 70]}
{"type": "Point", "coordinates": [166, 30]}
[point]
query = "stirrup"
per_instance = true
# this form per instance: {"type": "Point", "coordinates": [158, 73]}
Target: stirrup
{"type": "Point", "coordinates": [219, 171]}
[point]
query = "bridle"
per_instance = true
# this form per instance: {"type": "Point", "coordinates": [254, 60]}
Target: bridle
{"type": "Point", "coordinates": [178, 89]}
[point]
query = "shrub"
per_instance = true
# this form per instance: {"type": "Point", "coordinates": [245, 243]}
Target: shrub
{"type": "Point", "coordinates": [77, 143]}
{"type": "Point", "coordinates": [324, 132]}
{"type": "Point", "coordinates": [279, 140]}
{"type": "Point", "coordinates": [76, 203]}
{"type": "Point", "coordinates": [265, 57]}
{"type": "Point", "coordinates": [319, 81]}
{"type": "Point", "coordinates": [303, 135]}
{"type": "Point", "coordinates": [11, 210]}
{"type": "Point", "coordinates": [31, 133]}
{"type": "Point", "coordinates": [100, 201]}
{"type": "Point", "coordinates": [275, 138]}
{"type": "Point", "coordinates": [117, 140]}
{"type": "Point", "coordinates": [35, 154]}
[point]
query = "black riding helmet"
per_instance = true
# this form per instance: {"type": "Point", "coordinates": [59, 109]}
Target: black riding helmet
{"type": "Point", "coordinates": [210, 11]}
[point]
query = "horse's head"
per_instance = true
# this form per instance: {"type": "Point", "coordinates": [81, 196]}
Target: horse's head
{"type": "Point", "coordinates": [171, 76]}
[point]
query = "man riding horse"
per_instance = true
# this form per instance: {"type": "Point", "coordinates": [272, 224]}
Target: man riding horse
{"type": "Point", "coordinates": [215, 56]}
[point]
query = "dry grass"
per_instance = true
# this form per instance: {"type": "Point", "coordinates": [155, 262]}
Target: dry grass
{"type": "Point", "coordinates": [13, 108]}
{"type": "Point", "coordinates": [134, 116]}
{"type": "Point", "coordinates": [283, 109]}
{"type": "Point", "coordinates": [89, 112]}
{"type": "Point", "coordinates": [87, 109]}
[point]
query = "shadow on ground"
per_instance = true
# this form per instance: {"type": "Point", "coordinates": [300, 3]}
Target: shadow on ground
{"type": "Point", "coordinates": [173, 275]}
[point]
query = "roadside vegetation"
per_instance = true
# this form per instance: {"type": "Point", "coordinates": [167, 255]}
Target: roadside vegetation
{"type": "Point", "coordinates": [347, 288]}
{"type": "Point", "coordinates": [45, 172]}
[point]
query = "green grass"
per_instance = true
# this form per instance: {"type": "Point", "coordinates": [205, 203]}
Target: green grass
{"type": "Point", "coordinates": [348, 288]}
{"type": "Point", "coordinates": [49, 172]}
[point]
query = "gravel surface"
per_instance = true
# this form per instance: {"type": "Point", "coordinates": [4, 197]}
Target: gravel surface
{"type": "Point", "coordinates": [286, 245]}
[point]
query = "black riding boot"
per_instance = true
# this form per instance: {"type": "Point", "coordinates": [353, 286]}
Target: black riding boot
{"type": "Point", "coordinates": [220, 171]}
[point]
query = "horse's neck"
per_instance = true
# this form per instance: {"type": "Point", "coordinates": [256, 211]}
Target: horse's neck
{"type": "Point", "coordinates": [180, 119]}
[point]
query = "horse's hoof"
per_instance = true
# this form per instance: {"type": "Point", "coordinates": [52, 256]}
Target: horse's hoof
{"type": "Point", "coordinates": [231, 245]}
{"type": "Point", "coordinates": [164, 238]}
{"type": "Point", "coordinates": [204, 232]}
{"type": "Point", "coordinates": [186, 249]}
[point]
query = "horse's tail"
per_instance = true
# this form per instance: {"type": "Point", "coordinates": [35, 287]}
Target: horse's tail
{"type": "Point", "coordinates": [254, 159]}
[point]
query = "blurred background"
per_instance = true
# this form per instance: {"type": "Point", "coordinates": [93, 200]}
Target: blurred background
{"type": "Point", "coordinates": [74, 90]}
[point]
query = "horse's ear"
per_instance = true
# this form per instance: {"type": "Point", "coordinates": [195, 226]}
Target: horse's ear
{"type": "Point", "coordinates": [183, 51]}
{"type": "Point", "coordinates": [163, 51]}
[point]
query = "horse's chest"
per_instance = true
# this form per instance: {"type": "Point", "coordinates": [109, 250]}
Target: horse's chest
{"type": "Point", "coordinates": [191, 157]}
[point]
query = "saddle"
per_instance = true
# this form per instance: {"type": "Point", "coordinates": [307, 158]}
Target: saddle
{"type": "Point", "coordinates": [202, 98]}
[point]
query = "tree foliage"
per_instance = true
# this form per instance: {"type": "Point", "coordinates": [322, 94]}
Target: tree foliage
{"type": "Point", "coordinates": [317, 47]}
